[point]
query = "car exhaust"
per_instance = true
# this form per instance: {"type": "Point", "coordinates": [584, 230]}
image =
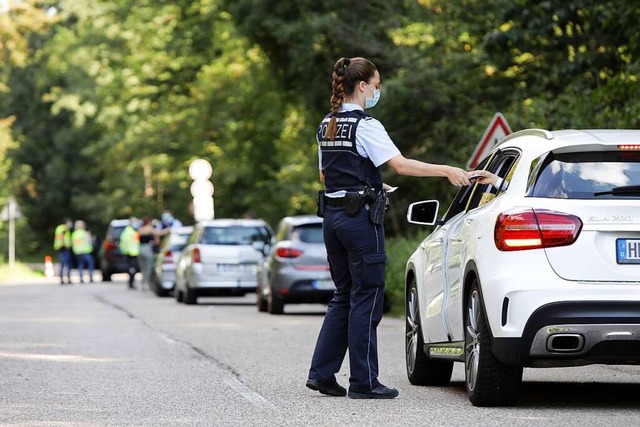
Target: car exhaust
{"type": "Point", "coordinates": [565, 343]}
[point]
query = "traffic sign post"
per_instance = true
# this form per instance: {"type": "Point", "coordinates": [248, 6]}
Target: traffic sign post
{"type": "Point", "coordinates": [10, 213]}
{"type": "Point", "coordinates": [497, 129]}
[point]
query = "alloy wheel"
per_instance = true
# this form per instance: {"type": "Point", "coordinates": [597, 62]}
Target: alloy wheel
{"type": "Point", "coordinates": [411, 329]}
{"type": "Point", "coordinates": [472, 340]}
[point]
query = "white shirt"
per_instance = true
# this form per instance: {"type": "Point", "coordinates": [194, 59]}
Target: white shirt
{"type": "Point", "coordinates": [372, 142]}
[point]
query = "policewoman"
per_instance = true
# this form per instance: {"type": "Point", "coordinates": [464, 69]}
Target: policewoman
{"type": "Point", "coordinates": [352, 146]}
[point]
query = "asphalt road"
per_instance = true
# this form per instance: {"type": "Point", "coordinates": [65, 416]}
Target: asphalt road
{"type": "Point", "coordinates": [105, 355]}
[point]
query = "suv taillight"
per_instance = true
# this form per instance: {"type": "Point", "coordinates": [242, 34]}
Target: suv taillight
{"type": "Point", "coordinates": [288, 252]}
{"type": "Point", "coordinates": [524, 228]}
{"type": "Point", "coordinates": [195, 255]}
{"type": "Point", "coordinates": [167, 257]}
{"type": "Point", "coordinates": [107, 245]}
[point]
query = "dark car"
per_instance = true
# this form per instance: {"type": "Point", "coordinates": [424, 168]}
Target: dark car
{"type": "Point", "coordinates": [111, 260]}
{"type": "Point", "coordinates": [296, 269]}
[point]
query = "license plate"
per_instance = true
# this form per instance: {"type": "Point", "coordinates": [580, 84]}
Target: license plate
{"type": "Point", "coordinates": [235, 268]}
{"type": "Point", "coordinates": [628, 251]}
{"type": "Point", "coordinates": [324, 285]}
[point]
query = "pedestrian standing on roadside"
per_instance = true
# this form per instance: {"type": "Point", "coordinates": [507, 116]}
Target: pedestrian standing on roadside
{"type": "Point", "coordinates": [352, 146]}
{"type": "Point", "coordinates": [148, 238]}
{"type": "Point", "coordinates": [82, 246]}
{"type": "Point", "coordinates": [62, 244]}
{"type": "Point", "coordinates": [130, 248]}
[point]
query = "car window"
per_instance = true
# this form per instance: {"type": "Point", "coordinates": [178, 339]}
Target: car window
{"type": "Point", "coordinates": [235, 235]}
{"type": "Point", "coordinates": [586, 175]}
{"type": "Point", "coordinates": [115, 232]}
{"type": "Point", "coordinates": [308, 233]}
{"type": "Point", "coordinates": [461, 199]}
{"type": "Point", "coordinates": [178, 241]}
{"type": "Point", "coordinates": [502, 165]}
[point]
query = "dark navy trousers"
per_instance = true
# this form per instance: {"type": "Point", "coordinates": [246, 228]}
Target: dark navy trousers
{"type": "Point", "coordinates": [356, 253]}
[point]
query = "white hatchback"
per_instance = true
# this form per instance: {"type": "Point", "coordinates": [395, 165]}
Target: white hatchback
{"type": "Point", "coordinates": [221, 258]}
{"type": "Point", "coordinates": [543, 271]}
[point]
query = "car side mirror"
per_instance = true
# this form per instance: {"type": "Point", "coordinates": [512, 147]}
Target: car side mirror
{"type": "Point", "coordinates": [423, 213]}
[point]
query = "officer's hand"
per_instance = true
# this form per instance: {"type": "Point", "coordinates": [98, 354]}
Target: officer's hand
{"type": "Point", "coordinates": [458, 177]}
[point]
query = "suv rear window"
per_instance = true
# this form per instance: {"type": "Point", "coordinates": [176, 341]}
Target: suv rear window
{"type": "Point", "coordinates": [115, 232]}
{"type": "Point", "coordinates": [588, 175]}
{"type": "Point", "coordinates": [311, 233]}
{"type": "Point", "coordinates": [235, 235]}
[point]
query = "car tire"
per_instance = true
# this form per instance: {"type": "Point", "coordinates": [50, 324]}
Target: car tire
{"type": "Point", "coordinates": [179, 295]}
{"type": "Point", "coordinates": [106, 275]}
{"type": "Point", "coordinates": [261, 302]}
{"type": "Point", "coordinates": [275, 304]}
{"type": "Point", "coordinates": [190, 297]}
{"type": "Point", "coordinates": [156, 286]}
{"type": "Point", "coordinates": [421, 370]}
{"type": "Point", "coordinates": [489, 382]}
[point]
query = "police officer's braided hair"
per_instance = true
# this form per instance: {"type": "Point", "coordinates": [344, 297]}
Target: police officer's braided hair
{"type": "Point", "coordinates": [347, 72]}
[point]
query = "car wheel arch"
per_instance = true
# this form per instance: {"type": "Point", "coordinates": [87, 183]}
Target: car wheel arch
{"type": "Point", "coordinates": [470, 275]}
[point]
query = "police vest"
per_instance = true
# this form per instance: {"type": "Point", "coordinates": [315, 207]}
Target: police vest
{"type": "Point", "coordinates": [130, 241]}
{"type": "Point", "coordinates": [342, 166]}
{"type": "Point", "coordinates": [62, 237]}
{"type": "Point", "coordinates": [81, 242]}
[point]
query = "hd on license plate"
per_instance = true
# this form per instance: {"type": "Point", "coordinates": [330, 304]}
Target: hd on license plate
{"type": "Point", "coordinates": [324, 285]}
{"type": "Point", "coordinates": [628, 251]}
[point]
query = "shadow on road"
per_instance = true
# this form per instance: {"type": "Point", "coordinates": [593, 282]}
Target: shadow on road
{"type": "Point", "coordinates": [556, 395]}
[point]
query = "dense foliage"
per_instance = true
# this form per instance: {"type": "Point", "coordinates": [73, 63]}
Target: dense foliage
{"type": "Point", "coordinates": [103, 104]}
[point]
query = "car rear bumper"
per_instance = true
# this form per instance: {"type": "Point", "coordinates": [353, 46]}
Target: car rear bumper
{"type": "Point", "coordinates": [167, 279]}
{"type": "Point", "coordinates": [308, 291]}
{"type": "Point", "coordinates": [203, 282]}
{"type": "Point", "coordinates": [575, 333]}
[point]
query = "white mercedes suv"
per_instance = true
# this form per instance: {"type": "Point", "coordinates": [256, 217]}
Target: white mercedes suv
{"type": "Point", "coordinates": [543, 271]}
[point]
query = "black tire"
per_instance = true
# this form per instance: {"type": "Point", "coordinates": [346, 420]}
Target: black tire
{"type": "Point", "coordinates": [179, 295]}
{"type": "Point", "coordinates": [190, 296]}
{"type": "Point", "coordinates": [261, 302]}
{"type": "Point", "coordinates": [489, 382]}
{"type": "Point", "coordinates": [157, 286]}
{"type": "Point", "coordinates": [275, 304]}
{"type": "Point", "coordinates": [106, 275]}
{"type": "Point", "coordinates": [421, 370]}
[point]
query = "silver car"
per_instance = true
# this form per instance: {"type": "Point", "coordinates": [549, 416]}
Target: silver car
{"type": "Point", "coordinates": [163, 276]}
{"type": "Point", "coordinates": [221, 258]}
{"type": "Point", "coordinates": [296, 269]}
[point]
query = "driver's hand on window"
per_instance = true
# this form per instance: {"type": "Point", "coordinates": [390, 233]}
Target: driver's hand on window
{"type": "Point", "coordinates": [484, 177]}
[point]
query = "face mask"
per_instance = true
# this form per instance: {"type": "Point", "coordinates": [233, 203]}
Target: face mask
{"type": "Point", "coordinates": [371, 102]}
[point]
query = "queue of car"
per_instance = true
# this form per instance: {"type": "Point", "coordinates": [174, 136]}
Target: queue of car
{"type": "Point", "coordinates": [233, 257]}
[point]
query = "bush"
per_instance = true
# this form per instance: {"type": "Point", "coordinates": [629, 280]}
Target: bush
{"type": "Point", "coordinates": [399, 249]}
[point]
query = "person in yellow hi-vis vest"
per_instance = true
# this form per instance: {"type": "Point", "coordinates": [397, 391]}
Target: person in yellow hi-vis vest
{"type": "Point", "coordinates": [62, 244]}
{"type": "Point", "coordinates": [130, 247]}
{"type": "Point", "coordinates": [82, 246]}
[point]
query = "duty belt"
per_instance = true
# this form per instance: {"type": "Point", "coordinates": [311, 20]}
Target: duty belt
{"type": "Point", "coordinates": [334, 201]}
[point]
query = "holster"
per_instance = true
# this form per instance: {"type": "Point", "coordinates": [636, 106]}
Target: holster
{"type": "Point", "coordinates": [352, 203]}
{"type": "Point", "coordinates": [322, 203]}
{"type": "Point", "coordinates": [378, 207]}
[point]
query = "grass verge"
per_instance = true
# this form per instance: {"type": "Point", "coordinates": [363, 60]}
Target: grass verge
{"type": "Point", "coordinates": [399, 249]}
{"type": "Point", "coordinates": [18, 272]}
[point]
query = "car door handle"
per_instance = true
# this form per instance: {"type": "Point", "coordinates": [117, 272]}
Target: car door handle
{"type": "Point", "coordinates": [468, 221]}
